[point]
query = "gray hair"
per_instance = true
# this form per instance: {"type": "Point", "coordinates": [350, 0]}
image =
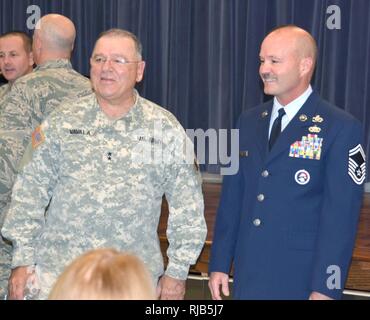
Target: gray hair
{"type": "Point", "coordinates": [124, 34]}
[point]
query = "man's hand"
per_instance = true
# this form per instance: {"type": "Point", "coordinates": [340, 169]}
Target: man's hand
{"type": "Point", "coordinates": [17, 282]}
{"type": "Point", "coordinates": [216, 280]}
{"type": "Point", "coordinates": [170, 288]}
{"type": "Point", "coordinates": [318, 296]}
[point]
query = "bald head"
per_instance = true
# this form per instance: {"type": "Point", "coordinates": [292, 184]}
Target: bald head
{"type": "Point", "coordinates": [300, 40]}
{"type": "Point", "coordinates": [287, 62]}
{"type": "Point", "coordinates": [54, 37]}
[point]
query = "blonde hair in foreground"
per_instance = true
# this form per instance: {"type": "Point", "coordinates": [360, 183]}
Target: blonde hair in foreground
{"type": "Point", "coordinates": [104, 274]}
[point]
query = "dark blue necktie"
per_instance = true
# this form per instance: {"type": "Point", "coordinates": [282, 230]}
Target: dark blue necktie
{"type": "Point", "coordinates": [276, 128]}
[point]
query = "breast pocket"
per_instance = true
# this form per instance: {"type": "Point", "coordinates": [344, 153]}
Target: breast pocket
{"type": "Point", "coordinates": [80, 158]}
{"type": "Point", "coordinates": [301, 240]}
{"type": "Point", "coordinates": [304, 173]}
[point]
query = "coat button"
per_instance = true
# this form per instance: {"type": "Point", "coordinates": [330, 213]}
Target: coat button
{"type": "Point", "coordinates": [260, 197]}
{"type": "Point", "coordinates": [257, 222]}
{"type": "Point", "coordinates": [265, 174]}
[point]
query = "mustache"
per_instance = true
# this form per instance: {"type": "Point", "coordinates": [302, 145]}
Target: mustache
{"type": "Point", "coordinates": [268, 76]}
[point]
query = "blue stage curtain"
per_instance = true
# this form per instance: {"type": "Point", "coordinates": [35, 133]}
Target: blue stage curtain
{"type": "Point", "coordinates": [202, 55]}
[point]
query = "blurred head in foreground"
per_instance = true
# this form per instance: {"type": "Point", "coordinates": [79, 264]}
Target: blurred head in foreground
{"type": "Point", "coordinates": [104, 274]}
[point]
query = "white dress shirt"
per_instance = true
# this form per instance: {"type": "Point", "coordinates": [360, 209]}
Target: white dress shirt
{"type": "Point", "coordinates": [291, 109]}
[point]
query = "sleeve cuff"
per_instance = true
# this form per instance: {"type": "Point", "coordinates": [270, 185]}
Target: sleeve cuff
{"type": "Point", "coordinates": [23, 257]}
{"type": "Point", "coordinates": [177, 271]}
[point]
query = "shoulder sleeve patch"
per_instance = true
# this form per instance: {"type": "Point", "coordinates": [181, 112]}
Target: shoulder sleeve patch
{"type": "Point", "coordinates": [38, 137]}
{"type": "Point", "coordinates": [357, 164]}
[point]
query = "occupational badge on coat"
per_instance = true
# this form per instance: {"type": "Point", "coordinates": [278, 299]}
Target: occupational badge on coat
{"type": "Point", "coordinates": [317, 119]}
{"type": "Point", "coordinates": [302, 177]}
{"type": "Point", "coordinates": [308, 148]}
{"type": "Point", "coordinates": [357, 164]}
{"type": "Point", "coordinates": [303, 118]}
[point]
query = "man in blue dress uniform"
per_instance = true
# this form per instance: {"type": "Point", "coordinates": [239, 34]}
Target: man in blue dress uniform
{"type": "Point", "coordinates": [288, 218]}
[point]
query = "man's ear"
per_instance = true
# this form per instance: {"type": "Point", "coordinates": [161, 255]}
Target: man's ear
{"type": "Point", "coordinates": [140, 71]}
{"type": "Point", "coordinates": [31, 62]}
{"type": "Point", "coordinates": [306, 66]}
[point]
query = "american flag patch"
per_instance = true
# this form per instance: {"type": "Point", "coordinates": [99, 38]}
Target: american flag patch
{"type": "Point", "coordinates": [37, 137]}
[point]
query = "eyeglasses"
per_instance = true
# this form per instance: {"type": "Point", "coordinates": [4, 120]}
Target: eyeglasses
{"type": "Point", "coordinates": [115, 61]}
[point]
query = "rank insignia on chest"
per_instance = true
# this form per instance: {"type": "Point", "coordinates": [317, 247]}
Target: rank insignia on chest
{"type": "Point", "coordinates": [38, 137]}
{"type": "Point", "coordinates": [308, 148]}
{"type": "Point", "coordinates": [243, 154]}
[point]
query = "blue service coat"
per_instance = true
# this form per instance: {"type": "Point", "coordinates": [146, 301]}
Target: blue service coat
{"type": "Point", "coordinates": [288, 218]}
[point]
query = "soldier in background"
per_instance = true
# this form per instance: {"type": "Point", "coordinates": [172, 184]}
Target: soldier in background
{"type": "Point", "coordinates": [34, 96]}
{"type": "Point", "coordinates": [16, 60]}
{"type": "Point", "coordinates": [87, 159]}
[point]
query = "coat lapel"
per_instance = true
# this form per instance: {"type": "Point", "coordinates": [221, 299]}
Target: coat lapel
{"type": "Point", "coordinates": [296, 129]}
{"type": "Point", "coordinates": [263, 123]}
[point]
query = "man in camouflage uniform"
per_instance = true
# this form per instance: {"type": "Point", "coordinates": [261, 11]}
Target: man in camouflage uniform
{"type": "Point", "coordinates": [35, 95]}
{"type": "Point", "coordinates": [16, 60]}
{"type": "Point", "coordinates": [105, 162]}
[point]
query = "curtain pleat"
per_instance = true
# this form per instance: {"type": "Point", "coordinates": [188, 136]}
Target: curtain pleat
{"type": "Point", "coordinates": [202, 55]}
